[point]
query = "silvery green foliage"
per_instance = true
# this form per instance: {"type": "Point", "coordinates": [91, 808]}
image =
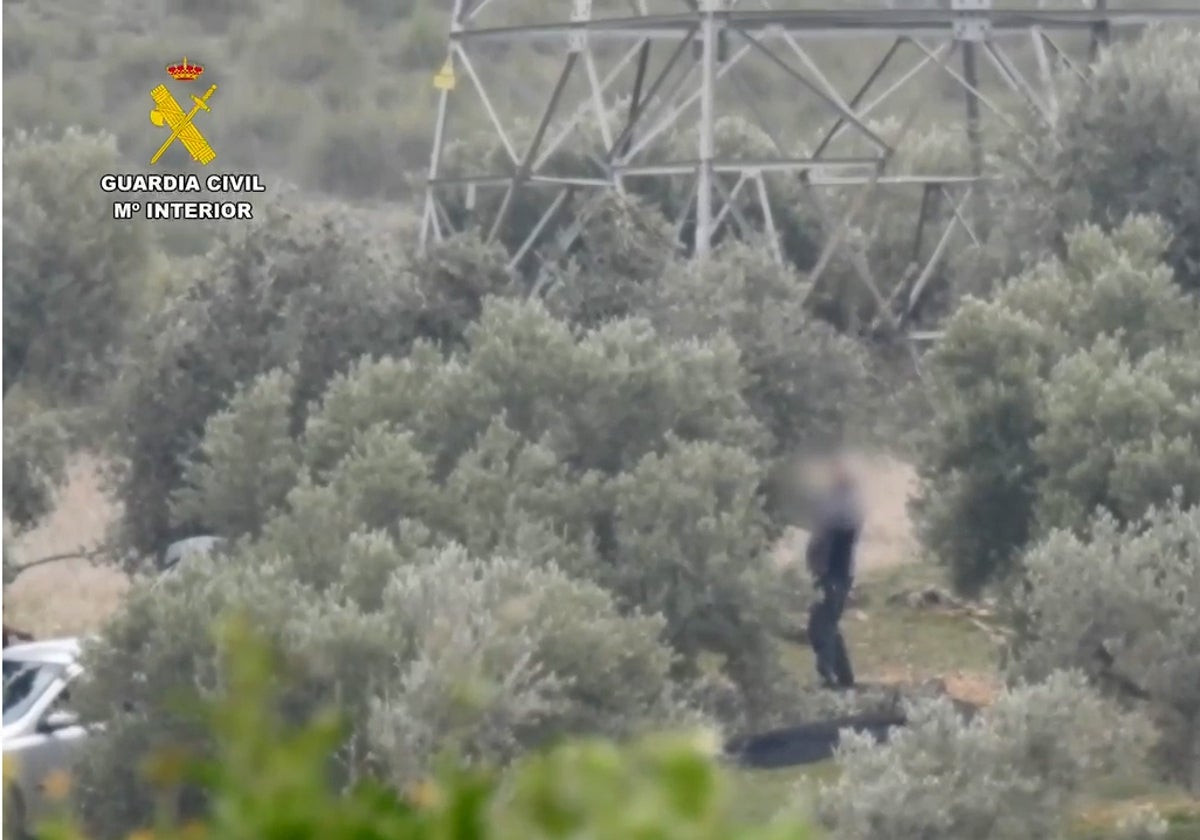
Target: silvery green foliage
{"type": "Point", "coordinates": [1120, 432]}
{"type": "Point", "coordinates": [248, 460]}
{"type": "Point", "coordinates": [793, 217]}
{"type": "Point", "coordinates": [615, 262]}
{"type": "Point", "coordinates": [504, 655]}
{"type": "Point", "coordinates": [423, 650]}
{"type": "Point", "coordinates": [36, 444]}
{"type": "Point", "coordinates": [1074, 386]}
{"type": "Point", "coordinates": [619, 455]}
{"type": "Point", "coordinates": [1142, 824]}
{"type": "Point", "coordinates": [35, 463]}
{"type": "Point", "coordinates": [72, 278]}
{"type": "Point", "coordinates": [1008, 774]}
{"type": "Point", "coordinates": [882, 237]}
{"type": "Point", "coordinates": [804, 380]}
{"type": "Point", "coordinates": [309, 288]}
{"type": "Point", "coordinates": [1121, 142]}
{"type": "Point", "coordinates": [1130, 597]}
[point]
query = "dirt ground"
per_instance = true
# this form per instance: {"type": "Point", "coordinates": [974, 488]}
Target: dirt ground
{"type": "Point", "coordinates": [73, 596]}
{"type": "Point", "coordinates": [887, 486]}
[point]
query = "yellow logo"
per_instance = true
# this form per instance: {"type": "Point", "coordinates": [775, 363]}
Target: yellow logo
{"type": "Point", "coordinates": [168, 113]}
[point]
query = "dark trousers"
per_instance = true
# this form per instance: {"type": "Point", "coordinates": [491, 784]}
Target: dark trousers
{"type": "Point", "coordinates": [833, 663]}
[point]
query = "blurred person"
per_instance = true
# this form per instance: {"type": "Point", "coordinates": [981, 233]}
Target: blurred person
{"type": "Point", "coordinates": [830, 557]}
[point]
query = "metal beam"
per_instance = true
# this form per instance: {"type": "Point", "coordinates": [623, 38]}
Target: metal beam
{"type": "Point", "coordinates": [827, 23]}
{"type": "Point", "coordinates": [704, 170]}
{"type": "Point", "coordinates": [523, 170]}
{"type": "Point", "coordinates": [640, 108]}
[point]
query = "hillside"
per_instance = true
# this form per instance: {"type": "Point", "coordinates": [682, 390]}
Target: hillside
{"type": "Point", "coordinates": [337, 96]}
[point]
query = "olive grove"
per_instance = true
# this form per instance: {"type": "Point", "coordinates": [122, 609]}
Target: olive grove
{"type": "Point", "coordinates": [1073, 388]}
{"type": "Point", "coordinates": [1123, 605]}
{"type": "Point", "coordinates": [941, 778]}
{"type": "Point", "coordinates": [479, 510]}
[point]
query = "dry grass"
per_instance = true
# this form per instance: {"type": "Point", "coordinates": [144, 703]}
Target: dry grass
{"type": "Point", "coordinates": [1101, 821]}
{"type": "Point", "coordinates": [73, 596]}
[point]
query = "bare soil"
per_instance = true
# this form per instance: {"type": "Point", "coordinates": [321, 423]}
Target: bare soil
{"type": "Point", "coordinates": [887, 486]}
{"type": "Point", "coordinates": [72, 596]}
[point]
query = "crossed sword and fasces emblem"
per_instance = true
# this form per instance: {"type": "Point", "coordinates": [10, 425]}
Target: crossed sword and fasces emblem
{"type": "Point", "coordinates": [169, 113]}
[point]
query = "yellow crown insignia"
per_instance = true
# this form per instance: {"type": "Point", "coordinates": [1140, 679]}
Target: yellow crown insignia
{"type": "Point", "coordinates": [185, 72]}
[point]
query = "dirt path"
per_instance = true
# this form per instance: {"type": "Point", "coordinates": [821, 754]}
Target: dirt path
{"type": "Point", "coordinates": [887, 541]}
{"type": "Point", "coordinates": [73, 596]}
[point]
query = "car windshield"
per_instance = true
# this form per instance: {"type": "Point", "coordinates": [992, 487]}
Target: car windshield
{"type": "Point", "coordinates": [24, 683]}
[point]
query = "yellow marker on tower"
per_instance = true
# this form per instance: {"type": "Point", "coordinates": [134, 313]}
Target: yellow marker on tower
{"type": "Point", "coordinates": [444, 80]}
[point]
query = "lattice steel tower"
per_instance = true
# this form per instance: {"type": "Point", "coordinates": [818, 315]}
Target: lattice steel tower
{"type": "Point", "coordinates": [640, 90]}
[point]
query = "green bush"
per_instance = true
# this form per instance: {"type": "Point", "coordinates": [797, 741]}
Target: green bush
{"type": "Point", "coordinates": [72, 278]}
{"type": "Point", "coordinates": [629, 459]}
{"type": "Point", "coordinates": [306, 287]}
{"type": "Point", "coordinates": [1124, 142]}
{"type": "Point", "coordinates": [1072, 389]}
{"type": "Point", "coordinates": [426, 651]}
{"type": "Point", "coordinates": [266, 777]}
{"type": "Point", "coordinates": [1009, 774]}
{"type": "Point", "coordinates": [1123, 605]}
{"type": "Point", "coordinates": [804, 381]}
{"type": "Point", "coordinates": [357, 155]}
{"type": "Point", "coordinates": [35, 463]}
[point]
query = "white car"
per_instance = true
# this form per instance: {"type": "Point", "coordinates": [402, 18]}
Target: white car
{"type": "Point", "coordinates": [179, 551]}
{"type": "Point", "coordinates": [189, 547]}
{"type": "Point", "coordinates": [42, 733]}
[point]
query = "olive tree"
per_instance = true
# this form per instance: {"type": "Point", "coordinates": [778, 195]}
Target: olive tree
{"type": "Point", "coordinates": [806, 383]}
{"type": "Point", "coordinates": [624, 457]}
{"type": "Point", "coordinates": [1122, 141]}
{"type": "Point", "coordinates": [72, 276]}
{"type": "Point", "coordinates": [479, 659]}
{"type": "Point", "coordinates": [1010, 773]}
{"type": "Point", "coordinates": [1123, 604]}
{"type": "Point", "coordinates": [35, 464]}
{"type": "Point", "coordinates": [1073, 387]}
{"type": "Point", "coordinates": [312, 287]}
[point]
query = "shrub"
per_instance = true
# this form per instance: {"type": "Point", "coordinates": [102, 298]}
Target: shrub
{"type": "Point", "coordinates": [308, 287]}
{"type": "Point", "coordinates": [885, 232]}
{"type": "Point", "coordinates": [1123, 604]}
{"type": "Point", "coordinates": [1098, 161]}
{"type": "Point", "coordinates": [793, 216]}
{"type": "Point", "coordinates": [1120, 434]}
{"type": "Point", "coordinates": [1018, 429]}
{"type": "Point", "coordinates": [217, 17]}
{"type": "Point", "coordinates": [615, 264]}
{"type": "Point", "coordinates": [804, 381]}
{"type": "Point", "coordinates": [357, 154]}
{"type": "Point", "coordinates": [35, 462]}
{"type": "Point", "coordinates": [1009, 773]}
{"type": "Point", "coordinates": [626, 459]}
{"type": "Point", "coordinates": [444, 655]}
{"type": "Point", "coordinates": [72, 278]}
{"type": "Point", "coordinates": [266, 778]}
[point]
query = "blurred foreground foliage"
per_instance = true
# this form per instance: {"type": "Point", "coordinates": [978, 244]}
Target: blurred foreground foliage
{"type": "Point", "coordinates": [268, 779]}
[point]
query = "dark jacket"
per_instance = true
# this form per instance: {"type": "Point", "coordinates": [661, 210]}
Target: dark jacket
{"type": "Point", "coordinates": [830, 551]}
